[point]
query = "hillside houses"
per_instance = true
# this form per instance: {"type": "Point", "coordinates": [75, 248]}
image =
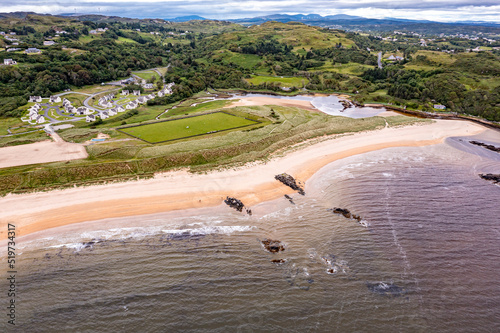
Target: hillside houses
{"type": "Point", "coordinates": [136, 92]}
{"type": "Point", "coordinates": [35, 99]}
{"type": "Point", "coordinates": [106, 101]}
{"type": "Point", "coordinates": [167, 90]}
{"type": "Point", "coordinates": [148, 86]}
{"type": "Point", "coordinates": [48, 42]}
{"type": "Point", "coordinates": [103, 114]}
{"type": "Point", "coordinates": [125, 92]}
{"type": "Point", "coordinates": [34, 116]}
{"type": "Point", "coordinates": [90, 118]}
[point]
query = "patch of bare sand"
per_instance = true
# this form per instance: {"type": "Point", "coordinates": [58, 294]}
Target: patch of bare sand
{"type": "Point", "coordinates": [41, 152]}
{"type": "Point", "coordinates": [251, 101]}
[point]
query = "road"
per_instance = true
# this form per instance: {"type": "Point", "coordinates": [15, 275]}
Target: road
{"type": "Point", "coordinates": [379, 60]}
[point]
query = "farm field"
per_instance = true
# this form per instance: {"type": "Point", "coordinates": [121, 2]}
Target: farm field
{"type": "Point", "coordinates": [187, 127]}
{"type": "Point", "coordinates": [284, 81]}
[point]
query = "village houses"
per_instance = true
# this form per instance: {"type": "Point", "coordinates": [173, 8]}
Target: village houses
{"type": "Point", "coordinates": [9, 62]}
{"type": "Point", "coordinates": [54, 99]}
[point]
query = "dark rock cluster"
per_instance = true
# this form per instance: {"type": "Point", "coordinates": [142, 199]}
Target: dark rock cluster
{"type": "Point", "coordinates": [289, 198]}
{"type": "Point", "coordinates": [290, 182]}
{"type": "Point", "coordinates": [273, 246]}
{"type": "Point", "coordinates": [234, 203]}
{"type": "Point", "coordinates": [346, 213]}
{"type": "Point", "coordinates": [490, 147]}
{"type": "Point", "coordinates": [346, 104]}
{"type": "Point", "coordinates": [491, 177]}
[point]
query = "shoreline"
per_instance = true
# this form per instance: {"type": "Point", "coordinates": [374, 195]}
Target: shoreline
{"type": "Point", "coordinates": [179, 190]}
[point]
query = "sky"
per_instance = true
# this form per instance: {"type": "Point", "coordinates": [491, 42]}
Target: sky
{"type": "Point", "coordinates": [435, 10]}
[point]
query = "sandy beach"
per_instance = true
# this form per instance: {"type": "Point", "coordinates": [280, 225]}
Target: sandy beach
{"type": "Point", "coordinates": [181, 190]}
{"type": "Point", "coordinates": [250, 101]}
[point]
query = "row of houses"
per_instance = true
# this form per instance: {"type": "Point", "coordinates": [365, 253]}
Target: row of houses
{"type": "Point", "coordinates": [106, 101]}
{"type": "Point", "coordinates": [34, 116]}
{"type": "Point", "coordinates": [105, 114]}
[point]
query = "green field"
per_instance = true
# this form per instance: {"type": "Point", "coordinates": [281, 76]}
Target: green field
{"type": "Point", "coordinates": [284, 81]}
{"type": "Point", "coordinates": [146, 75]}
{"type": "Point", "coordinates": [187, 127]}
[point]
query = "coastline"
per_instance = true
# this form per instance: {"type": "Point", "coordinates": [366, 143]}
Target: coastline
{"type": "Point", "coordinates": [181, 190]}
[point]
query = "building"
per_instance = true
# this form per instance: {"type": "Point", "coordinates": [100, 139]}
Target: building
{"type": "Point", "coordinates": [54, 99]}
{"type": "Point", "coordinates": [32, 50]}
{"type": "Point", "coordinates": [83, 110]}
{"type": "Point", "coordinates": [48, 42]}
{"type": "Point", "coordinates": [142, 100]}
{"type": "Point", "coordinates": [439, 107]}
{"type": "Point", "coordinates": [112, 112]}
{"type": "Point", "coordinates": [125, 92]}
{"type": "Point", "coordinates": [90, 118]}
{"type": "Point", "coordinates": [148, 86]}
{"type": "Point", "coordinates": [9, 62]}
{"type": "Point", "coordinates": [13, 49]}
{"type": "Point", "coordinates": [137, 93]}
{"type": "Point", "coordinates": [103, 114]}
{"type": "Point", "coordinates": [120, 108]}
{"type": "Point", "coordinates": [131, 105]}
{"type": "Point", "coordinates": [40, 119]}
{"type": "Point", "coordinates": [93, 32]}
{"type": "Point", "coordinates": [130, 80]}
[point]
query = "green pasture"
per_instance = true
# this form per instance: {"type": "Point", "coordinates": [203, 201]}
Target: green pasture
{"type": "Point", "coordinates": [284, 81]}
{"type": "Point", "coordinates": [187, 127]}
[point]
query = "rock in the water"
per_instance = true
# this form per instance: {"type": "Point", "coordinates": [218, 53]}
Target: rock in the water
{"type": "Point", "coordinates": [386, 289]}
{"type": "Point", "coordinates": [346, 213]}
{"type": "Point", "coordinates": [273, 246]}
{"type": "Point", "coordinates": [234, 203]}
{"type": "Point", "coordinates": [278, 261]}
{"type": "Point", "coordinates": [490, 147]}
{"type": "Point", "coordinates": [289, 199]}
{"type": "Point", "coordinates": [289, 181]}
{"type": "Point", "coordinates": [491, 177]}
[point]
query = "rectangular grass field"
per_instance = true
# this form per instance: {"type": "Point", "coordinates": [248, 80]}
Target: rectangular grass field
{"type": "Point", "coordinates": [187, 127]}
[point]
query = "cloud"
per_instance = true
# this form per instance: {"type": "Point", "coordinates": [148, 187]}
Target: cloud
{"type": "Point", "coordinates": [439, 10]}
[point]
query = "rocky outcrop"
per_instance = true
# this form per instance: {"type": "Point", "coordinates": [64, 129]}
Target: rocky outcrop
{"type": "Point", "coordinates": [234, 203]}
{"type": "Point", "coordinates": [273, 246]}
{"type": "Point", "coordinates": [346, 213]}
{"type": "Point", "coordinates": [278, 261]}
{"type": "Point", "coordinates": [491, 177]}
{"type": "Point", "coordinates": [490, 147]}
{"type": "Point", "coordinates": [290, 182]}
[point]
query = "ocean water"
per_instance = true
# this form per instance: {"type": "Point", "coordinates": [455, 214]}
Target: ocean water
{"type": "Point", "coordinates": [424, 257]}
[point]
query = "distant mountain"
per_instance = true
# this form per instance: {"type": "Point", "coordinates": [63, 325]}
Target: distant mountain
{"type": "Point", "coordinates": [187, 18]}
{"type": "Point", "coordinates": [356, 23]}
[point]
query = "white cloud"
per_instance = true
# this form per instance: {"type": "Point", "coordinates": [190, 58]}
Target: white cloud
{"type": "Point", "coordinates": [437, 10]}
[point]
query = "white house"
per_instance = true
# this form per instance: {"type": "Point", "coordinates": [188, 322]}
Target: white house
{"type": "Point", "coordinates": [137, 92]}
{"type": "Point", "coordinates": [125, 92]}
{"type": "Point", "coordinates": [35, 99]}
{"type": "Point", "coordinates": [31, 50]}
{"type": "Point", "coordinates": [148, 86]}
{"type": "Point", "coordinates": [40, 119]}
{"type": "Point", "coordinates": [120, 108]}
{"type": "Point", "coordinates": [103, 114]}
{"type": "Point", "coordinates": [83, 110]}
{"type": "Point", "coordinates": [93, 32]}
{"type": "Point", "coordinates": [55, 99]}
{"type": "Point", "coordinates": [131, 105]}
{"type": "Point", "coordinates": [9, 62]}
{"type": "Point", "coordinates": [142, 100]}
{"type": "Point", "coordinates": [112, 112]}
{"type": "Point", "coordinates": [48, 42]}
{"type": "Point", "coordinates": [90, 118]}
{"type": "Point", "coordinates": [70, 109]}
{"type": "Point", "coordinates": [151, 96]}
{"type": "Point", "coordinates": [439, 107]}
